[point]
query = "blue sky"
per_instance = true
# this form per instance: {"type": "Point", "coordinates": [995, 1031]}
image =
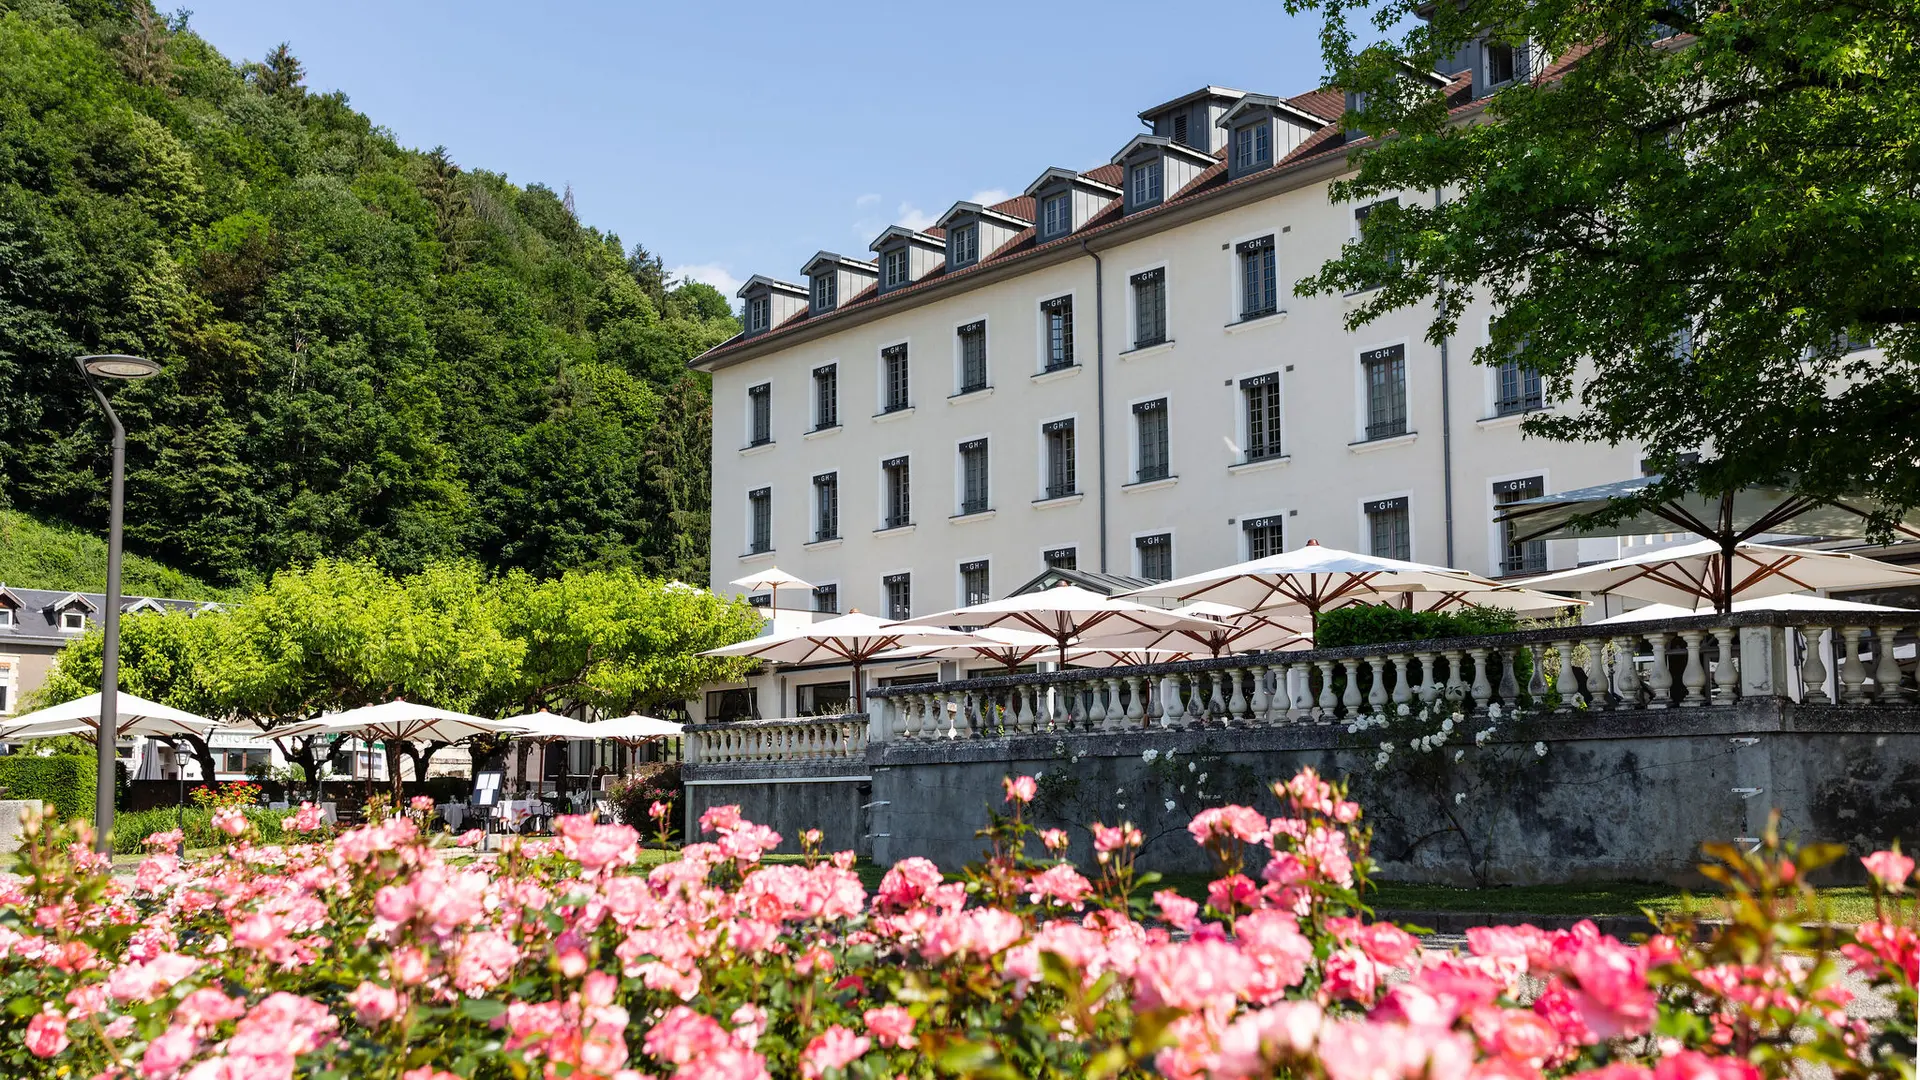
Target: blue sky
{"type": "Point", "coordinates": [740, 138]}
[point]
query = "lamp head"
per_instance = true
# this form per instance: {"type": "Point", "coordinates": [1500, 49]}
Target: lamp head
{"type": "Point", "coordinates": [119, 366]}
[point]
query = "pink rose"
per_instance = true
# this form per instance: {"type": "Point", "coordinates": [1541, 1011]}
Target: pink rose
{"type": "Point", "coordinates": [230, 820]}
{"type": "Point", "coordinates": [1020, 789]}
{"type": "Point", "coordinates": [421, 804]}
{"type": "Point", "coordinates": [892, 1025]}
{"type": "Point", "coordinates": [836, 1048]}
{"type": "Point", "coordinates": [47, 1034]}
{"type": "Point", "coordinates": [166, 1054]}
{"type": "Point", "coordinates": [1056, 840]}
{"type": "Point", "coordinates": [1179, 911]}
{"type": "Point", "coordinates": [374, 1004]}
{"type": "Point", "coordinates": [1890, 868]}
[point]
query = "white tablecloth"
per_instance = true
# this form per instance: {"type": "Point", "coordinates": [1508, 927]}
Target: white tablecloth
{"type": "Point", "coordinates": [454, 813]}
{"type": "Point", "coordinates": [515, 811]}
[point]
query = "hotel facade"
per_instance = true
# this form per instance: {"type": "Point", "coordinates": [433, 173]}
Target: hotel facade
{"type": "Point", "coordinates": [1111, 373]}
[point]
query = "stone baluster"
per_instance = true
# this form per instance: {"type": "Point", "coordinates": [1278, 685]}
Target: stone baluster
{"type": "Point", "coordinates": [1033, 718]}
{"type": "Point", "coordinates": [1216, 706]}
{"type": "Point", "coordinates": [1482, 688]}
{"type": "Point", "coordinates": [1350, 693]}
{"type": "Point", "coordinates": [1886, 670]}
{"type": "Point", "coordinates": [1136, 715]}
{"type": "Point", "coordinates": [1299, 693]}
{"type": "Point", "coordinates": [1813, 672]}
{"type": "Point", "coordinates": [933, 716]}
{"type": "Point", "coordinates": [1096, 706]}
{"type": "Point", "coordinates": [1853, 674]}
{"type": "Point", "coordinates": [1203, 705]}
{"type": "Point", "coordinates": [1150, 704]}
{"type": "Point", "coordinates": [1324, 704]}
{"type": "Point", "coordinates": [1626, 675]}
{"type": "Point", "coordinates": [1402, 687]}
{"type": "Point", "coordinates": [1726, 673]}
{"type": "Point", "coordinates": [1237, 699]}
{"type": "Point", "coordinates": [1660, 675]}
{"type": "Point", "coordinates": [1596, 673]}
{"type": "Point", "coordinates": [1377, 693]}
{"type": "Point", "coordinates": [1112, 708]}
{"type": "Point", "coordinates": [1260, 705]}
{"type": "Point", "coordinates": [1457, 687]}
{"type": "Point", "coordinates": [1429, 678]}
{"type": "Point", "coordinates": [1694, 676]}
{"type": "Point", "coordinates": [1509, 691]}
{"type": "Point", "coordinates": [1537, 682]}
{"type": "Point", "coordinates": [1172, 711]}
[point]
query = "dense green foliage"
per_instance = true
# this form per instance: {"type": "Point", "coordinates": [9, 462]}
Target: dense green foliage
{"type": "Point", "coordinates": [1683, 231]}
{"type": "Point", "coordinates": [1378, 624]}
{"type": "Point", "coordinates": [64, 783]}
{"type": "Point", "coordinates": [339, 635]}
{"type": "Point", "coordinates": [369, 351]}
{"type": "Point", "coordinates": [36, 554]}
{"type": "Point", "coordinates": [132, 827]}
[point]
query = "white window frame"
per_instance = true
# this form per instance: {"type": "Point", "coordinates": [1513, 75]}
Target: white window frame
{"type": "Point", "coordinates": [1133, 436]}
{"type": "Point", "coordinates": [748, 500]}
{"type": "Point", "coordinates": [759, 314]}
{"type": "Point", "coordinates": [813, 506]}
{"type": "Point", "coordinates": [960, 356]}
{"type": "Point", "coordinates": [813, 393]}
{"type": "Point", "coordinates": [10, 684]}
{"type": "Point", "coordinates": [1043, 339]}
{"type": "Point", "coordinates": [960, 578]}
{"type": "Point", "coordinates": [1158, 169]}
{"type": "Point", "coordinates": [906, 267]}
{"type": "Point", "coordinates": [880, 469]}
{"type": "Point", "coordinates": [1236, 288]}
{"type": "Point", "coordinates": [1066, 199]}
{"type": "Point", "coordinates": [1046, 566]}
{"type": "Point", "coordinates": [969, 232]}
{"type": "Point", "coordinates": [831, 279]}
{"type": "Point", "coordinates": [1045, 463]}
{"type": "Point", "coordinates": [1496, 551]}
{"type": "Point", "coordinates": [1413, 526]}
{"type": "Point", "coordinates": [749, 440]}
{"type": "Point", "coordinates": [1487, 81]}
{"type": "Point", "coordinates": [1240, 540]}
{"type": "Point", "coordinates": [960, 473]}
{"type": "Point", "coordinates": [71, 611]}
{"type": "Point", "coordinates": [1173, 545]}
{"type": "Point", "coordinates": [839, 596]}
{"type": "Point", "coordinates": [880, 375]}
{"type": "Point", "coordinates": [886, 597]}
{"type": "Point", "coordinates": [1360, 387]}
{"type": "Point", "coordinates": [1165, 266]}
{"type": "Point", "coordinates": [6, 617]}
{"type": "Point", "coordinates": [1241, 422]}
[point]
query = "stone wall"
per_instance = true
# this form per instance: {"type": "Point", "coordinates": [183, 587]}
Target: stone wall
{"type": "Point", "coordinates": [834, 806]}
{"type": "Point", "coordinates": [1626, 795]}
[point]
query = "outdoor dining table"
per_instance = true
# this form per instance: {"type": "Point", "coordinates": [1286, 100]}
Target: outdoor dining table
{"type": "Point", "coordinates": [515, 812]}
{"type": "Point", "coordinates": [453, 814]}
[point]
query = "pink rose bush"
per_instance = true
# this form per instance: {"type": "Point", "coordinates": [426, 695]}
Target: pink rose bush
{"type": "Point", "coordinates": [386, 952]}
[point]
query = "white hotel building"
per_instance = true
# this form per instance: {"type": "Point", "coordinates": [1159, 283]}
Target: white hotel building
{"type": "Point", "coordinates": [1111, 372]}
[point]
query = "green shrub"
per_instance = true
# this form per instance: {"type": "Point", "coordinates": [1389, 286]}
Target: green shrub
{"type": "Point", "coordinates": [63, 782]}
{"type": "Point", "coordinates": [130, 831]}
{"type": "Point", "coordinates": [1372, 624]}
{"type": "Point", "coordinates": [632, 797]}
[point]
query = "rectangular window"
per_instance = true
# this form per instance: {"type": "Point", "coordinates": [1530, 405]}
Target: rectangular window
{"type": "Point", "coordinates": [760, 510]}
{"type": "Point", "coordinates": [1525, 556]}
{"type": "Point", "coordinates": [1387, 528]}
{"type": "Point", "coordinates": [1146, 183]}
{"type": "Point", "coordinates": [758, 310]}
{"type": "Point", "coordinates": [1499, 63]}
{"type": "Point", "coordinates": [73, 621]}
{"type": "Point", "coordinates": [1252, 147]}
{"type": "Point", "coordinates": [1386, 375]}
{"type": "Point", "coordinates": [899, 493]}
{"type": "Point", "coordinates": [1518, 389]}
{"type": "Point", "coordinates": [963, 245]}
{"type": "Point", "coordinates": [1149, 307]}
{"type": "Point", "coordinates": [825, 286]}
{"type": "Point", "coordinates": [893, 267]}
{"type": "Point", "coordinates": [894, 360]}
{"type": "Point", "coordinates": [1265, 535]}
{"type": "Point", "coordinates": [1155, 555]}
{"type": "Point", "coordinates": [761, 600]}
{"type": "Point", "coordinates": [1059, 439]}
{"type": "Point", "coordinates": [1262, 394]}
{"type": "Point", "coordinates": [826, 598]}
{"type": "Point", "coordinates": [1059, 315]}
{"type": "Point", "coordinates": [760, 405]}
{"type": "Point", "coordinates": [1150, 427]}
{"type": "Point", "coordinates": [826, 507]}
{"type": "Point", "coordinates": [899, 596]}
{"type": "Point", "coordinates": [1056, 215]}
{"type": "Point", "coordinates": [1064, 558]}
{"type": "Point", "coordinates": [1360, 215]}
{"type": "Point", "coordinates": [973, 477]}
{"type": "Point", "coordinates": [1259, 284]}
{"type": "Point", "coordinates": [740, 703]}
{"type": "Point", "coordinates": [973, 357]}
{"type": "Point", "coordinates": [975, 583]}
{"type": "Point", "coordinates": [6, 617]}
{"type": "Point", "coordinates": [823, 699]}
{"type": "Point", "coordinates": [826, 397]}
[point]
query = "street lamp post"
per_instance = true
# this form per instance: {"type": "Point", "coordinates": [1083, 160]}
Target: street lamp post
{"type": "Point", "coordinates": [107, 737]}
{"type": "Point", "coordinates": [182, 755]}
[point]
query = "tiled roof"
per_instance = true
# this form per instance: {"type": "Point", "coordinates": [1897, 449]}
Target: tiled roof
{"type": "Point", "coordinates": [1328, 102]}
{"type": "Point", "coordinates": [37, 619]}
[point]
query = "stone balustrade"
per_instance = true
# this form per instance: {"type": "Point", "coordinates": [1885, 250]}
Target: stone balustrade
{"type": "Point", "coordinates": [1705, 661]}
{"type": "Point", "coordinates": [824, 742]}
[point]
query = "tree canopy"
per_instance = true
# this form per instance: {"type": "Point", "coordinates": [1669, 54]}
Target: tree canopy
{"type": "Point", "coordinates": [1688, 227]}
{"type": "Point", "coordinates": [369, 350]}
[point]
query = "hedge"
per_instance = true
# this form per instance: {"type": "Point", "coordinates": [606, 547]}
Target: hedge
{"type": "Point", "coordinates": [62, 782]}
{"type": "Point", "coordinates": [130, 830]}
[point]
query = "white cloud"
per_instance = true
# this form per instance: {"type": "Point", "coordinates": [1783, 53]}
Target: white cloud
{"type": "Point", "coordinates": [712, 273]}
{"type": "Point", "coordinates": [870, 199]}
{"type": "Point", "coordinates": [990, 196]}
{"type": "Point", "coordinates": [915, 218]}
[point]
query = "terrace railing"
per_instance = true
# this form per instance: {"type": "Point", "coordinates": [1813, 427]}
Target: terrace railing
{"type": "Point", "coordinates": [1706, 661]}
{"type": "Point", "coordinates": [824, 740]}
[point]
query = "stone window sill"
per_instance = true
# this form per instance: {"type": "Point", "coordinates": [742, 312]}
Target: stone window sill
{"type": "Point", "coordinates": [970, 395]}
{"type": "Point", "coordinates": [977, 515]}
{"type": "Point", "coordinates": [1277, 461]}
{"type": "Point", "coordinates": [1149, 485]}
{"type": "Point", "coordinates": [825, 544]}
{"type": "Point", "coordinates": [897, 530]}
{"type": "Point", "coordinates": [1271, 318]}
{"type": "Point", "coordinates": [1067, 371]}
{"type": "Point", "coordinates": [758, 556]}
{"type": "Point", "coordinates": [756, 448]}
{"type": "Point", "coordinates": [822, 432]}
{"type": "Point", "coordinates": [1147, 350]}
{"type": "Point", "coordinates": [1059, 500]}
{"type": "Point", "coordinates": [1511, 419]}
{"type": "Point", "coordinates": [892, 414]}
{"type": "Point", "coordinates": [1368, 446]}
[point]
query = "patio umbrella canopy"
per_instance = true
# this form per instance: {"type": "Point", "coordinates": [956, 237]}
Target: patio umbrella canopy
{"type": "Point", "coordinates": [1234, 630]}
{"type": "Point", "coordinates": [1695, 576]}
{"type": "Point", "coordinates": [138, 716]}
{"type": "Point", "coordinates": [1787, 602]}
{"type": "Point", "coordinates": [854, 639]}
{"type": "Point", "coordinates": [402, 721]}
{"type": "Point", "coordinates": [1315, 579]}
{"type": "Point", "coordinates": [634, 728]}
{"type": "Point", "coordinates": [770, 581]}
{"type": "Point", "coordinates": [1007, 647]}
{"type": "Point", "coordinates": [1065, 613]}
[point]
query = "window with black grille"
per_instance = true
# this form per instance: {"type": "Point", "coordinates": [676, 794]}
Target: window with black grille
{"type": "Point", "coordinates": [1058, 436]}
{"type": "Point", "coordinates": [899, 595]}
{"type": "Point", "coordinates": [973, 357]}
{"type": "Point", "coordinates": [1518, 389]}
{"type": "Point", "coordinates": [1062, 558]}
{"type": "Point", "coordinates": [1386, 376]}
{"type": "Point", "coordinates": [1519, 556]}
{"type": "Point", "coordinates": [1058, 313]}
{"type": "Point", "coordinates": [826, 507]}
{"type": "Point", "coordinates": [1149, 307]}
{"type": "Point", "coordinates": [1261, 394]}
{"type": "Point", "coordinates": [893, 360]}
{"type": "Point", "coordinates": [760, 513]}
{"type": "Point", "coordinates": [826, 397]}
{"type": "Point", "coordinates": [1150, 430]}
{"type": "Point", "coordinates": [1155, 556]}
{"type": "Point", "coordinates": [760, 405]}
{"type": "Point", "coordinates": [899, 501]}
{"type": "Point", "coordinates": [1387, 529]}
{"type": "Point", "coordinates": [1265, 535]}
{"type": "Point", "coordinates": [974, 497]}
{"type": "Point", "coordinates": [976, 585]}
{"type": "Point", "coordinates": [826, 598]}
{"type": "Point", "coordinates": [1259, 281]}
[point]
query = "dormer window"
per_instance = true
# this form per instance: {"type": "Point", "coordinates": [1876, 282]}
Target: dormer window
{"type": "Point", "coordinates": [823, 292]}
{"type": "Point", "coordinates": [1056, 216]}
{"type": "Point", "coordinates": [963, 245]}
{"type": "Point", "coordinates": [1499, 64]}
{"type": "Point", "coordinates": [1144, 183]}
{"type": "Point", "coordinates": [893, 269]}
{"type": "Point", "coordinates": [831, 276]}
{"type": "Point", "coordinates": [766, 303]}
{"type": "Point", "coordinates": [73, 621]}
{"type": "Point", "coordinates": [1252, 147]}
{"type": "Point", "coordinates": [6, 618]}
{"type": "Point", "coordinates": [758, 310]}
